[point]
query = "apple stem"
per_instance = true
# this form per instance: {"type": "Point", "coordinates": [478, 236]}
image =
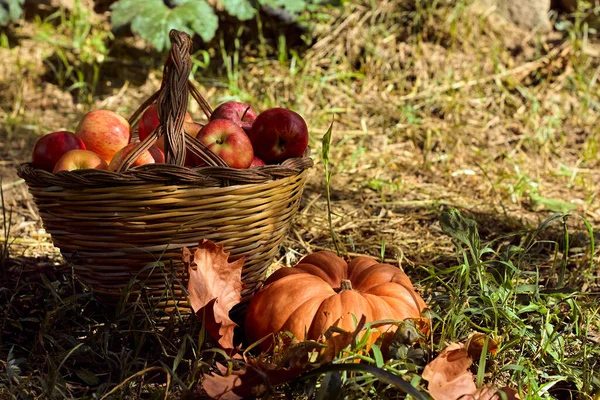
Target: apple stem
{"type": "Point", "coordinates": [244, 114]}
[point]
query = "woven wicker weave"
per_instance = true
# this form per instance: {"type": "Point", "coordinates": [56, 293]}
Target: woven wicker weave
{"type": "Point", "coordinates": [119, 228]}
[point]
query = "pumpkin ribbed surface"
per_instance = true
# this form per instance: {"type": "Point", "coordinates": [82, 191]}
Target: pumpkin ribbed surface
{"type": "Point", "coordinates": [310, 297]}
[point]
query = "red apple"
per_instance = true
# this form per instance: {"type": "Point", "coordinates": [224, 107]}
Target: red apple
{"type": "Point", "coordinates": [145, 158]}
{"type": "Point", "coordinates": [279, 134]}
{"type": "Point", "coordinates": [240, 113]}
{"type": "Point", "coordinates": [79, 159]}
{"type": "Point", "coordinates": [192, 128]}
{"type": "Point", "coordinates": [256, 162]}
{"type": "Point", "coordinates": [157, 154]}
{"type": "Point", "coordinates": [149, 122]}
{"type": "Point", "coordinates": [51, 147]}
{"type": "Point", "coordinates": [229, 141]}
{"type": "Point", "coordinates": [104, 132]}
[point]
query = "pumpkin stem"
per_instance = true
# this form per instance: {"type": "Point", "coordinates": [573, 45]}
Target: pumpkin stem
{"type": "Point", "coordinates": [345, 284]}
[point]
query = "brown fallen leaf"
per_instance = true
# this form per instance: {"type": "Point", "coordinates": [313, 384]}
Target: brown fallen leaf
{"type": "Point", "coordinates": [263, 373]}
{"type": "Point", "coordinates": [254, 379]}
{"type": "Point", "coordinates": [214, 288]}
{"type": "Point", "coordinates": [448, 374]}
{"type": "Point", "coordinates": [449, 377]}
{"type": "Point", "coordinates": [234, 386]}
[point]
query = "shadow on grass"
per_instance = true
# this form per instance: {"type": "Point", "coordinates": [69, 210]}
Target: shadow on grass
{"type": "Point", "coordinates": [60, 341]}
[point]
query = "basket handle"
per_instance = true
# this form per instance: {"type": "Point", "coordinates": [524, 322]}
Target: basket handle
{"type": "Point", "coordinates": [171, 105]}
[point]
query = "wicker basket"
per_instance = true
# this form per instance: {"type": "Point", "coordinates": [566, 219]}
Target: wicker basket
{"type": "Point", "coordinates": [123, 231]}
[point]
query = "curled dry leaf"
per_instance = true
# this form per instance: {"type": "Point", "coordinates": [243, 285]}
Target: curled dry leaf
{"type": "Point", "coordinates": [214, 288]}
{"type": "Point", "coordinates": [233, 386]}
{"type": "Point", "coordinates": [262, 374]}
{"type": "Point", "coordinates": [449, 377]}
{"type": "Point", "coordinates": [259, 376]}
{"type": "Point", "coordinates": [448, 374]}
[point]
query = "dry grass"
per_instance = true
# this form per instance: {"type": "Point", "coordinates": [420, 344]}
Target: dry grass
{"type": "Point", "coordinates": [434, 107]}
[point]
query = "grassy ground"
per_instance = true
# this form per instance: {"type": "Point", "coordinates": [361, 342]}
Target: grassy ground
{"type": "Point", "coordinates": [434, 107]}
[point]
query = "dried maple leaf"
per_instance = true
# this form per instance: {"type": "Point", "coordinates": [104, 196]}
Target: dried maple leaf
{"type": "Point", "coordinates": [214, 288]}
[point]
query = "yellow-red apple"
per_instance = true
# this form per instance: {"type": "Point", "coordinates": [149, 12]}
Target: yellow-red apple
{"type": "Point", "coordinates": [104, 132]}
{"type": "Point", "coordinates": [145, 158]}
{"type": "Point", "coordinates": [229, 141]}
{"type": "Point", "coordinates": [79, 159]}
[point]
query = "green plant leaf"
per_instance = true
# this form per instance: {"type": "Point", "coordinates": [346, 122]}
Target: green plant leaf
{"type": "Point", "coordinates": [291, 6]}
{"type": "Point", "coordinates": [201, 17]}
{"type": "Point", "coordinates": [326, 144]}
{"type": "Point", "coordinates": [554, 205]}
{"type": "Point", "coordinates": [241, 9]}
{"type": "Point", "coordinates": [88, 377]}
{"type": "Point", "coordinates": [460, 228]}
{"type": "Point", "coordinates": [124, 11]}
{"type": "Point", "coordinates": [379, 362]}
{"type": "Point", "coordinates": [153, 20]}
{"type": "Point", "coordinates": [381, 374]}
{"type": "Point", "coordinates": [10, 10]}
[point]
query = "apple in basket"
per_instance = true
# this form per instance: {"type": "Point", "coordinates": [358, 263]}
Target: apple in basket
{"type": "Point", "coordinates": [192, 129]}
{"type": "Point", "coordinates": [51, 147]}
{"type": "Point", "coordinates": [256, 162]}
{"type": "Point", "coordinates": [229, 141]}
{"type": "Point", "coordinates": [157, 154]}
{"type": "Point", "coordinates": [79, 159]}
{"type": "Point", "coordinates": [279, 134]}
{"type": "Point", "coordinates": [104, 132]}
{"type": "Point", "coordinates": [149, 122]}
{"type": "Point", "coordinates": [240, 113]}
{"type": "Point", "coordinates": [145, 158]}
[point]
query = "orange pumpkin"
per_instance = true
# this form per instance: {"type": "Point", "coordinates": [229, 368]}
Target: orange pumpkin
{"type": "Point", "coordinates": [322, 288]}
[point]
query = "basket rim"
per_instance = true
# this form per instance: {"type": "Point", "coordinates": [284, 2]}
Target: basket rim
{"type": "Point", "coordinates": [167, 174]}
